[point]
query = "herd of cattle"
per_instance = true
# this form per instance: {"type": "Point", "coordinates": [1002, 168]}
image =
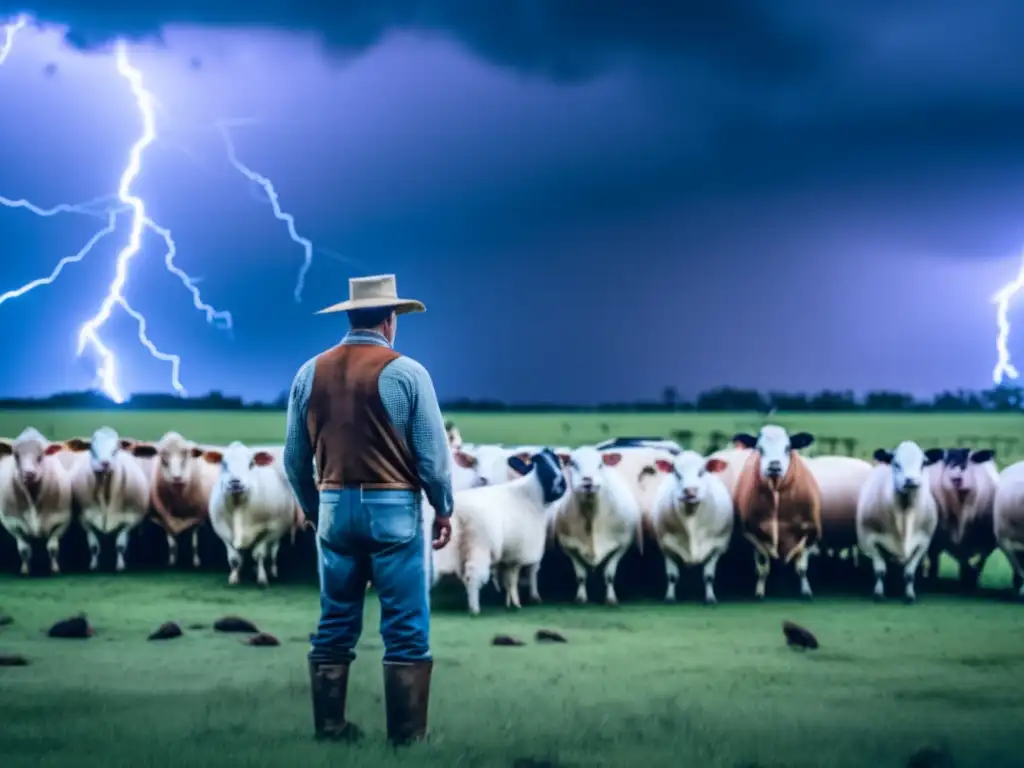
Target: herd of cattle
{"type": "Point", "coordinates": [514, 503]}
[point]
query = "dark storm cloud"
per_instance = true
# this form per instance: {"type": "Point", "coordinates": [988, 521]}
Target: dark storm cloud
{"type": "Point", "coordinates": [564, 39]}
{"type": "Point", "coordinates": [745, 92]}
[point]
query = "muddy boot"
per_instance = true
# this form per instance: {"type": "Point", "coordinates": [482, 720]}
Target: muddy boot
{"type": "Point", "coordinates": [330, 688]}
{"type": "Point", "coordinates": [407, 696]}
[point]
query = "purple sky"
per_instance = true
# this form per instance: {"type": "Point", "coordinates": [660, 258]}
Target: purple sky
{"type": "Point", "coordinates": [591, 224]}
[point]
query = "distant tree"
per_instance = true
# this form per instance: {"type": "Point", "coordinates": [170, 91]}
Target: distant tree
{"type": "Point", "coordinates": [670, 397]}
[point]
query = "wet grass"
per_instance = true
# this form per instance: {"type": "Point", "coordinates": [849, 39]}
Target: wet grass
{"type": "Point", "coordinates": [641, 685]}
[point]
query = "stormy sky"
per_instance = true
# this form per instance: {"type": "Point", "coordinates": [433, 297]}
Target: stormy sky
{"type": "Point", "coordinates": [594, 199]}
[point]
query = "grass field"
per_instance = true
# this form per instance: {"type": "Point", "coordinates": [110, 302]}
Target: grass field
{"type": "Point", "coordinates": [871, 431]}
{"type": "Point", "coordinates": [641, 685]}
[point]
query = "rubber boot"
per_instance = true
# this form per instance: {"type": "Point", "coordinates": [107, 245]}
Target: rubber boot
{"type": "Point", "coordinates": [329, 681]}
{"type": "Point", "coordinates": [407, 698]}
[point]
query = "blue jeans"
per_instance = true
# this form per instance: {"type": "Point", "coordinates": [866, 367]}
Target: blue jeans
{"type": "Point", "coordinates": [378, 536]}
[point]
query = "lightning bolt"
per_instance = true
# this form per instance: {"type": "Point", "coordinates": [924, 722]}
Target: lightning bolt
{"type": "Point", "coordinates": [10, 30]}
{"type": "Point", "coordinates": [88, 334]}
{"type": "Point", "coordinates": [268, 187]}
{"type": "Point", "coordinates": [1004, 367]}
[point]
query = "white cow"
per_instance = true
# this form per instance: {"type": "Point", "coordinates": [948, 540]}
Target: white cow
{"type": "Point", "coordinates": [897, 514]}
{"type": "Point", "coordinates": [1008, 521]}
{"type": "Point", "coordinates": [598, 520]}
{"type": "Point", "coordinates": [693, 518]}
{"type": "Point", "coordinates": [840, 480]}
{"type": "Point", "coordinates": [492, 462]}
{"type": "Point", "coordinates": [465, 475]}
{"type": "Point", "coordinates": [111, 488]}
{"type": "Point", "coordinates": [507, 525]}
{"type": "Point", "coordinates": [35, 495]}
{"type": "Point", "coordinates": [251, 507]}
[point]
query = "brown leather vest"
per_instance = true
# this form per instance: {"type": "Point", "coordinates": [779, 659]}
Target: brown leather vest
{"type": "Point", "coordinates": [352, 435]}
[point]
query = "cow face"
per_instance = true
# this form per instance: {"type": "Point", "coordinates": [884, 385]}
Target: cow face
{"type": "Point", "coordinates": [549, 473]}
{"type": "Point", "coordinates": [30, 450]}
{"type": "Point", "coordinates": [690, 472]}
{"type": "Point", "coordinates": [176, 455]}
{"type": "Point", "coordinates": [466, 471]}
{"type": "Point", "coordinates": [907, 465]}
{"type": "Point", "coordinates": [586, 466]}
{"type": "Point", "coordinates": [237, 464]}
{"type": "Point", "coordinates": [775, 445]}
{"type": "Point", "coordinates": [956, 475]}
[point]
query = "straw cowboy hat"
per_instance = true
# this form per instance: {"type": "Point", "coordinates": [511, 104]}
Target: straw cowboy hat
{"type": "Point", "coordinates": [377, 291]}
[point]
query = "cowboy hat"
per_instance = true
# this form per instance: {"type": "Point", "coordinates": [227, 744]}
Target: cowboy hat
{"type": "Point", "coordinates": [377, 291]}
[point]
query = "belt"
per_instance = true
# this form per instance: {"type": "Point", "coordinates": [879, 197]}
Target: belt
{"type": "Point", "coordinates": [367, 487]}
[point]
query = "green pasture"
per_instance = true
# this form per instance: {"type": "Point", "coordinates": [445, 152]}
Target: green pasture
{"type": "Point", "coordinates": [640, 685]}
{"type": "Point", "coordinates": [868, 431]}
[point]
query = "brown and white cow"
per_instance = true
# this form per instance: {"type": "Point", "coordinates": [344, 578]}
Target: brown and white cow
{"type": "Point", "coordinates": [35, 495]}
{"type": "Point", "coordinates": [180, 487]}
{"type": "Point", "coordinates": [964, 485]}
{"type": "Point", "coordinates": [779, 503]}
{"type": "Point", "coordinates": [111, 488]}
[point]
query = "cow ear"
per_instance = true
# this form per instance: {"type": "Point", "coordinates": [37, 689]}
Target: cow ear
{"type": "Point", "coordinates": [127, 444]}
{"type": "Point", "coordinates": [144, 450]}
{"type": "Point", "coordinates": [519, 465]}
{"type": "Point", "coordinates": [611, 459]}
{"type": "Point", "coordinates": [78, 444]}
{"type": "Point", "coordinates": [882, 456]}
{"type": "Point", "coordinates": [564, 459]}
{"type": "Point", "coordinates": [464, 460]}
{"type": "Point", "coordinates": [933, 455]}
{"type": "Point", "coordinates": [213, 457]}
{"type": "Point", "coordinates": [980, 457]}
{"type": "Point", "coordinates": [800, 440]}
{"type": "Point", "coordinates": [263, 458]}
{"type": "Point", "coordinates": [663, 465]}
{"type": "Point", "coordinates": [53, 449]}
{"type": "Point", "coordinates": [6, 448]}
{"type": "Point", "coordinates": [715, 465]}
{"type": "Point", "coordinates": [743, 440]}
{"type": "Point", "coordinates": [197, 452]}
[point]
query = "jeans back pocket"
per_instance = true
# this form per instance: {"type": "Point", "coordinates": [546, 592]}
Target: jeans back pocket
{"type": "Point", "coordinates": [393, 520]}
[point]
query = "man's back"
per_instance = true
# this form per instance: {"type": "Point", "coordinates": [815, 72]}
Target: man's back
{"type": "Point", "coordinates": [354, 440]}
{"type": "Point", "coordinates": [368, 419]}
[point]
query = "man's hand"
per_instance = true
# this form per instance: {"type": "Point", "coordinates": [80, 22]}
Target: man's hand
{"type": "Point", "coordinates": [442, 532]}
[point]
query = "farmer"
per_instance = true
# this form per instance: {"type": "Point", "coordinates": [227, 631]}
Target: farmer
{"type": "Point", "coordinates": [370, 419]}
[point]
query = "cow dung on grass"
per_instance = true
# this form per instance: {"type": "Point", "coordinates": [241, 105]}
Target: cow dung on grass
{"type": "Point", "coordinates": [506, 640]}
{"type": "Point", "coordinates": [75, 628]}
{"type": "Point", "coordinates": [262, 639]}
{"type": "Point", "coordinates": [549, 636]}
{"type": "Point", "coordinates": [166, 632]}
{"type": "Point", "coordinates": [234, 624]}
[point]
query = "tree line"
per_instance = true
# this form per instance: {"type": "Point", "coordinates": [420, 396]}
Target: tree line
{"type": "Point", "coordinates": [1003, 399]}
